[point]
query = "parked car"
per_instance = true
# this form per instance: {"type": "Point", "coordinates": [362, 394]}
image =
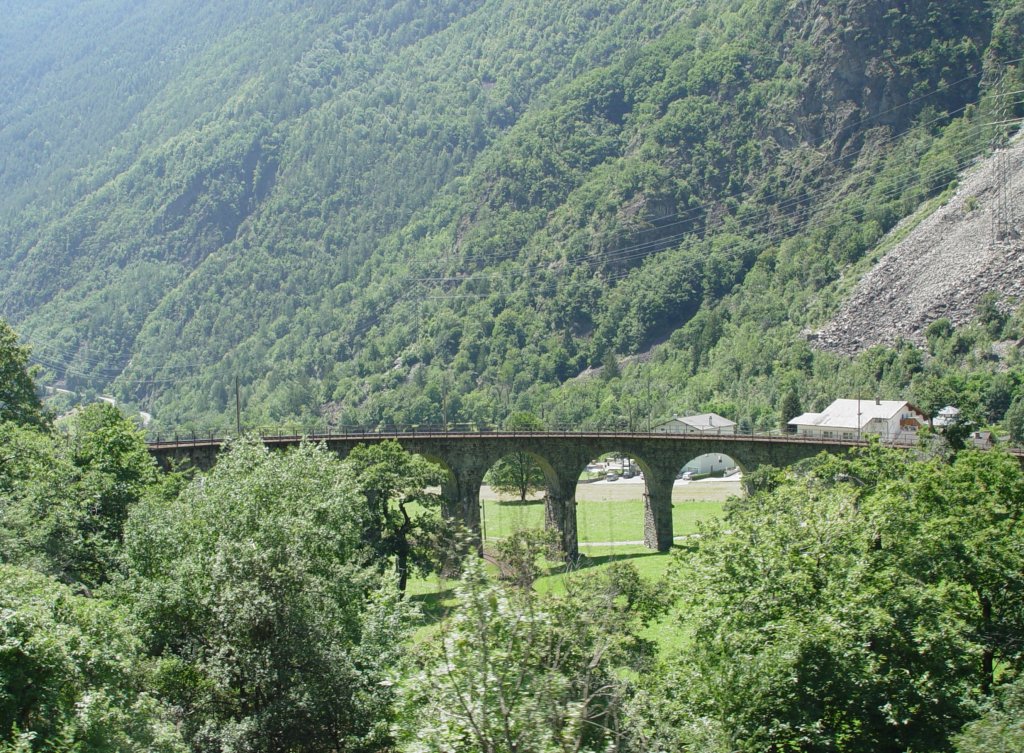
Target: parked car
{"type": "Point", "coordinates": [610, 476]}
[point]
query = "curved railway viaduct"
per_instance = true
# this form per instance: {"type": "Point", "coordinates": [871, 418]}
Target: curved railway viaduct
{"type": "Point", "coordinates": [467, 456]}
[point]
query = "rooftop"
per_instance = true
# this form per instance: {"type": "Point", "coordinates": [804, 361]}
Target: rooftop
{"type": "Point", "coordinates": [706, 421]}
{"type": "Point", "coordinates": [852, 414]}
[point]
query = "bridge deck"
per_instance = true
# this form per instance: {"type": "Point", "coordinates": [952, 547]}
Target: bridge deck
{"type": "Point", "coordinates": [271, 438]}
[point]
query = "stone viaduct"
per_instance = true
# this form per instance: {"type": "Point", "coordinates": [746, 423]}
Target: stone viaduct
{"type": "Point", "coordinates": [466, 457]}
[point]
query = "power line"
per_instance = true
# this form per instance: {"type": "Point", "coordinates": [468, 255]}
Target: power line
{"type": "Point", "coordinates": [93, 366]}
{"type": "Point", "coordinates": [769, 219]}
{"type": "Point", "coordinates": [689, 217]}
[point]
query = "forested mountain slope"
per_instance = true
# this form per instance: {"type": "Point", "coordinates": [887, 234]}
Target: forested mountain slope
{"type": "Point", "coordinates": [426, 212]}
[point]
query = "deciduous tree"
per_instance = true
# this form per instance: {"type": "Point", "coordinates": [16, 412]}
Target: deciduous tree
{"type": "Point", "coordinates": [830, 613]}
{"type": "Point", "coordinates": [404, 519]}
{"type": "Point", "coordinates": [519, 472]}
{"type": "Point", "coordinates": [73, 674]}
{"type": "Point", "coordinates": [66, 498]}
{"type": "Point", "coordinates": [18, 400]}
{"type": "Point", "coordinates": [257, 592]}
{"type": "Point", "coordinates": [1000, 729]}
{"type": "Point", "coordinates": [513, 671]}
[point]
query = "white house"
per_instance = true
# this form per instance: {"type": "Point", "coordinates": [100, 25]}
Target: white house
{"type": "Point", "coordinates": [705, 423]}
{"type": "Point", "coordinates": [892, 420]}
{"type": "Point", "coordinates": [709, 463]}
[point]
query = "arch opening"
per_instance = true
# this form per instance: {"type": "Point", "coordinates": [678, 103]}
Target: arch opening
{"type": "Point", "coordinates": [700, 489]}
{"type": "Point", "coordinates": [440, 462]}
{"type": "Point", "coordinates": [512, 495]}
{"type": "Point", "coordinates": [611, 492]}
{"type": "Point", "coordinates": [710, 465]}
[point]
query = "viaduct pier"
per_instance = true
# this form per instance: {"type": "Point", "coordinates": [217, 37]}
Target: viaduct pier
{"type": "Point", "coordinates": [466, 456]}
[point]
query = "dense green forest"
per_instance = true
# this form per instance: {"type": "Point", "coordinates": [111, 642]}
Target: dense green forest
{"type": "Point", "coordinates": [532, 213]}
{"type": "Point", "coordinates": [873, 602]}
{"type": "Point", "coordinates": [432, 213]}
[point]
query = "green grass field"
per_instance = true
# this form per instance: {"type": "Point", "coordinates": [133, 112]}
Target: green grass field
{"type": "Point", "coordinates": [610, 512]}
{"type": "Point", "coordinates": [666, 632]}
{"type": "Point", "coordinates": [601, 518]}
{"type": "Point", "coordinates": [620, 521]}
{"type": "Point", "coordinates": [435, 595]}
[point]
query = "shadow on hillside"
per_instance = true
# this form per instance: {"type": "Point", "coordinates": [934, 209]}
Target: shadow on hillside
{"type": "Point", "coordinates": [519, 502]}
{"type": "Point", "coordinates": [588, 561]}
{"type": "Point", "coordinates": [433, 605]}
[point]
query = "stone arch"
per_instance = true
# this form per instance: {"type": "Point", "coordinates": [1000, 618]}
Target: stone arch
{"type": "Point", "coordinates": [622, 449]}
{"type": "Point", "coordinates": [547, 481]}
{"type": "Point", "coordinates": [623, 477]}
{"type": "Point", "coordinates": [438, 460]}
{"type": "Point", "coordinates": [656, 466]}
{"type": "Point", "coordinates": [561, 462]}
{"type": "Point", "coordinates": [547, 469]}
{"type": "Point", "coordinates": [449, 487]}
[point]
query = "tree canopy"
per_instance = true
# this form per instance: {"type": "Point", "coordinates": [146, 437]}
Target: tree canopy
{"type": "Point", "coordinates": [274, 630]}
{"type": "Point", "coordinates": [863, 604]}
{"type": "Point", "coordinates": [74, 673]}
{"type": "Point", "coordinates": [18, 400]}
{"type": "Point", "coordinates": [404, 518]}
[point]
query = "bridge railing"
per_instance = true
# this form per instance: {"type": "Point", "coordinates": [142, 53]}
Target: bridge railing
{"type": "Point", "coordinates": [295, 432]}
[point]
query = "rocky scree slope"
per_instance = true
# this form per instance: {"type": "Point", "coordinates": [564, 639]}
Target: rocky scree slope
{"type": "Point", "coordinates": [944, 265]}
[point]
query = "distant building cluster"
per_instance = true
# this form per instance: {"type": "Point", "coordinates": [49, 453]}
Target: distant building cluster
{"type": "Point", "coordinates": [846, 418]}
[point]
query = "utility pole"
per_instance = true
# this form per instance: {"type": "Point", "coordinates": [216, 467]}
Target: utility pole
{"type": "Point", "coordinates": [238, 410]}
{"type": "Point", "coordinates": [858, 415]}
{"type": "Point", "coordinates": [648, 403]}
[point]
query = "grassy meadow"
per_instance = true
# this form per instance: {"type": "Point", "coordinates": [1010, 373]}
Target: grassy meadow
{"type": "Point", "coordinates": [610, 521]}
{"type": "Point", "coordinates": [609, 513]}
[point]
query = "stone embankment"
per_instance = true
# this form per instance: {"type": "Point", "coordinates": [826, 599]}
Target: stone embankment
{"type": "Point", "coordinates": [945, 265]}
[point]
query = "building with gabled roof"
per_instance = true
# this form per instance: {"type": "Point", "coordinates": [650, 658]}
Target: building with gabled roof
{"type": "Point", "coordinates": [892, 420]}
{"type": "Point", "coordinates": [703, 423]}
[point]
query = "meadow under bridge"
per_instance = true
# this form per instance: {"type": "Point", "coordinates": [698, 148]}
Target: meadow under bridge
{"type": "Point", "coordinates": [563, 456]}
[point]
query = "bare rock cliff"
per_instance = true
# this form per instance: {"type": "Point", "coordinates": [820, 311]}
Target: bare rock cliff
{"type": "Point", "coordinates": [970, 246]}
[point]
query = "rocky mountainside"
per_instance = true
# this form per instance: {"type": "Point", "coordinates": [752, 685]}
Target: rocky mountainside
{"type": "Point", "coordinates": [435, 211]}
{"type": "Point", "coordinates": [942, 266]}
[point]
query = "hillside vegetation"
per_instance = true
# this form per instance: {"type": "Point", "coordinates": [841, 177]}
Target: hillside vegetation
{"type": "Point", "coordinates": [439, 212]}
{"type": "Point", "coordinates": [871, 603]}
